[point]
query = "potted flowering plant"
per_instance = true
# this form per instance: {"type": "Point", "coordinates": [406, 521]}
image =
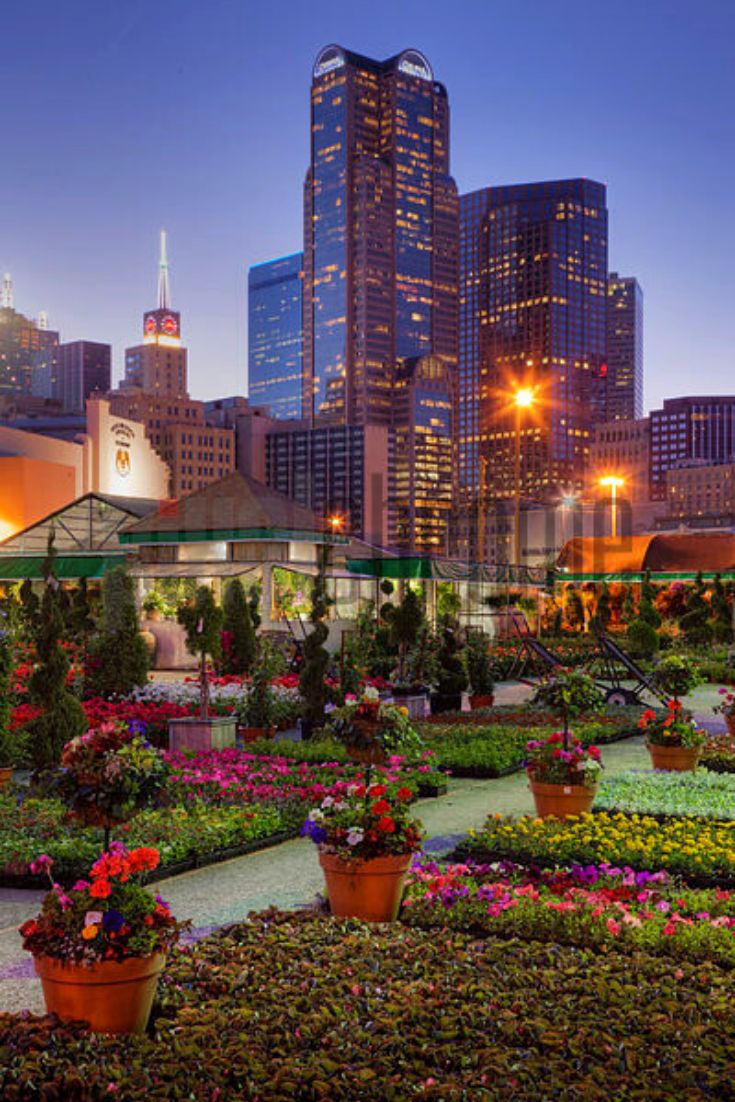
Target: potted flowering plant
{"type": "Point", "coordinates": [109, 774]}
{"type": "Point", "coordinates": [562, 774]}
{"type": "Point", "coordinates": [674, 742]}
{"type": "Point", "coordinates": [371, 730]}
{"type": "Point", "coordinates": [100, 947]}
{"type": "Point", "coordinates": [366, 838]}
{"type": "Point", "coordinates": [726, 708]}
{"type": "Point", "coordinates": [479, 670]}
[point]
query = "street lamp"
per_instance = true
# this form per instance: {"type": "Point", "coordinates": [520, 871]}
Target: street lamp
{"type": "Point", "coordinates": [522, 399]}
{"type": "Point", "coordinates": [613, 482]}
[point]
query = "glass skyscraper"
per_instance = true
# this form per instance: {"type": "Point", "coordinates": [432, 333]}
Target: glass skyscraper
{"type": "Point", "coordinates": [274, 336]}
{"type": "Point", "coordinates": [533, 292]}
{"type": "Point", "coordinates": [380, 232]}
{"type": "Point", "coordinates": [624, 377]}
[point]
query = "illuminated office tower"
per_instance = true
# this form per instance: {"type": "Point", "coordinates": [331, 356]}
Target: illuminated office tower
{"type": "Point", "coordinates": [275, 307]}
{"type": "Point", "coordinates": [624, 376]}
{"type": "Point", "coordinates": [27, 346]}
{"type": "Point", "coordinates": [533, 292]}
{"type": "Point", "coordinates": [380, 232]}
{"type": "Point", "coordinates": [158, 365]}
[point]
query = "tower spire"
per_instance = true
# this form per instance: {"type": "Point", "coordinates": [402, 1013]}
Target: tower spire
{"type": "Point", "coordinates": [6, 299]}
{"type": "Point", "coordinates": [164, 294]}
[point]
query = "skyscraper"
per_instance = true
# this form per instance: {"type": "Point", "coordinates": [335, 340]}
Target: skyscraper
{"type": "Point", "coordinates": [689, 431]}
{"type": "Point", "coordinates": [158, 365]}
{"type": "Point", "coordinates": [25, 345]}
{"type": "Point", "coordinates": [533, 291]}
{"type": "Point", "coordinates": [275, 306]}
{"type": "Point", "coordinates": [624, 375]}
{"type": "Point", "coordinates": [380, 232]}
{"type": "Point", "coordinates": [83, 368]}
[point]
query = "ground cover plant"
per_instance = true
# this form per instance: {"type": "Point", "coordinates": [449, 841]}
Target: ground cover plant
{"type": "Point", "coordinates": [701, 851]}
{"type": "Point", "coordinates": [587, 905]}
{"type": "Point", "coordinates": [181, 834]}
{"type": "Point", "coordinates": [665, 794]}
{"type": "Point", "coordinates": [299, 1006]}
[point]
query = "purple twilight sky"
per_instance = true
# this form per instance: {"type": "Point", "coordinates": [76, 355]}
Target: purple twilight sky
{"type": "Point", "coordinates": [120, 118]}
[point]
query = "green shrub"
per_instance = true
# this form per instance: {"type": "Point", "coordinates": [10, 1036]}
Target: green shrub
{"type": "Point", "coordinates": [118, 659]}
{"type": "Point", "coordinates": [239, 639]}
{"type": "Point", "coordinates": [642, 639]}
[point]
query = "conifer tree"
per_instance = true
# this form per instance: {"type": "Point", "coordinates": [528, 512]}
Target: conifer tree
{"type": "Point", "coordinates": [316, 656]}
{"type": "Point", "coordinates": [239, 642]}
{"type": "Point", "coordinates": [118, 655]}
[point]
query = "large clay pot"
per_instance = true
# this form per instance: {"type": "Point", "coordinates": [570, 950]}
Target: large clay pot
{"type": "Point", "coordinates": [114, 997]}
{"type": "Point", "coordinates": [561, 800]}
{"type": "Point", "coordinates": [481, 700]}
{"type": "Point", "coordinates": [370, 890]}
{"type": "Point", "coordinates": [6, 773]}
{"type": "Point", "coordinates": [730, 721]}
{"type": "Point", "coordinates": [675, 759]}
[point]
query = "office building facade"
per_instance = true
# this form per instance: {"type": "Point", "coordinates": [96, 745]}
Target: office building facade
{"type": "Point", "coordinates": [84, 368]}
{"type": "Point", "coordinates": [26, 347]}
{"type": "Point", "coordinates": [621, 448]}
{"type": "Point", "coordinates": [533, 290]}
{"type": "Point", "coordinates": [275, 309]}
{"type": "Point", "coordinates": [623, 378]}
{"type": "Point", "coordinates": [380, 232]}
{"type": "Point", "coordinates": [690, 430]}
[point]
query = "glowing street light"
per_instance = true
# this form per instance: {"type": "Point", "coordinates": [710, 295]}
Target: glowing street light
{"type": "Point", "coordinates": [613, 482]}
{"type": "Point", "coordinates": [522, 399]}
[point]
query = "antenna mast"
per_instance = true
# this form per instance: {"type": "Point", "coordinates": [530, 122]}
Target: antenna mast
{"type": "Point", "coordinates": [7, 293]}
{"type": "Point", "coordinates": [164, 294]}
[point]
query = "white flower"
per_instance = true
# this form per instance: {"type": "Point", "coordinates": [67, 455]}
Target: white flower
{"type": "Point", "coordinates": [354, 836]}
{"type": "Point", "coordinates": [327, 801]}
{"type": "Point", "coordinates": [316, 815]}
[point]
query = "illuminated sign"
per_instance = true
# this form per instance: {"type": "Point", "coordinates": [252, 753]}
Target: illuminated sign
{"type": "Point", "coordinates": [328, 60]}
{"type": "Point", "coordinates": [415, 64]}
{"type": "Point", "coordinates": [123, 436]}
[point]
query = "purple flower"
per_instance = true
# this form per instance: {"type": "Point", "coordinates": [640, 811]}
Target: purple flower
{"type": "Point", "coordinates": [112, 921]}
{"type": "Point", "coordinates": [313, 830]}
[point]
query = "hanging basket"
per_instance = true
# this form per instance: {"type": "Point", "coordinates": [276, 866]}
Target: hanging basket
{"type": "Point", "coordinates": [367, 747]}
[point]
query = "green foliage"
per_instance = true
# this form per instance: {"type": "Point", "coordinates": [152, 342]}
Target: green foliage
{"type": "Point", "coordinates": [118, 656]}
{"type": "Point", "coordinates": [316, 656]}
{"type": "Point", "coordinates": [642, 639]}
{"type": "Point", "coordinates": [451, 677]}
{"type": "Point", "coordinates": [722, 612]}
{"type": "Point", "coordinates": [479, 666]}
{"type": "Point", "coordinates": [30, 608]}
{"type": "Point", "coordinates": [239, 640]}
{"type": "Point", "coordinates": [647, 611]}
{"type": "Point", "coordinates": [628, 613]}
{"type": "Point", "coordinates": [405, 625]}
{"type": "Point", "coordinates": [260, 705]}
{"type": "Point", "coordinates": [603, 611]}
{"type": "Point", "coordinates": [694, 623]}
{"type": "Point", "coordinates": [675, 676]}
{"type": "Point", "coordinates": [202, 621]}
{"type": "Point", "coordinates": [573, 609]}
{"type": "Point", "coordinates": [81, 621]}
{"type": "Point", "coordinates": [62, 717]}
{"type": "Point", "coordinates": [701, 794]}
{"type": "Point", "coordinates": [449, 1017]}
{"type": "Point", "coordinates": [254, 594]}
{"type": "Point", "coordinates": [571, 693]}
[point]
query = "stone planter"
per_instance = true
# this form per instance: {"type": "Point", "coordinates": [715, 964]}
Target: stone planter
{"type": "Point", "coordinates": [674, 759]}
{"type": "Point", "coordinates": [559, 801]}
{"type": "Point", "coordinates": [113, 996]}
{"type": "Point", "coordinates": [192, 733]}
{"type": "Point", "coordinates": [415, 703]}
{"type": "Point", "coordinates": [370, 890]}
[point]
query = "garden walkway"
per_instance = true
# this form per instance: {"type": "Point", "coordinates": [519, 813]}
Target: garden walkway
{"type": "Point", "coordinates": [288, 875]}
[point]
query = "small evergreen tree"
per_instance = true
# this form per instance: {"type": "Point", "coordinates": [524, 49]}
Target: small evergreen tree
{"type": "Point", "coordinates": [573, 609]}
{"type": "Point", "coordinates": [647, 610]}
{"type": "Point", "coordinates": [405, 625]}
{"type": "Point", "coordinates": [721, 613]}
{"type": "Point", "coordinates": [695, 621]}
{"type": "Point", "coordinates": [81, 622]}
{"type": "Point", "coordinates": [239, 641]}
{"type": "Point", "coordinates": [628, 611]}
{"type": "Point", "coordinates": [603, 611]}
{"type": "Point", "coordinates": [316, 657]}
{"type": "Point", "coordinates": [30, 607]}
{"type": "Point", "coordinates": [254, 606]}
{"type": "Point", "coordinates": [202, 619]}
{"type": "Point", "coordinates": [452, 679]}
{"type": "Point", "coordinates": [62, 717]}
{"type": "Point", "coordinates": [118, 656]}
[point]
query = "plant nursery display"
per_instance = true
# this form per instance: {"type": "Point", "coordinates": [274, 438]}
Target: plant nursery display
{"type": "Point", "coordinates": [366, 838]}
{"type": "Point", "coordinates": [674, 742]}
{"type": "Point", "coordinates": [100, 946]}
{"type": "Point", "coordinates": [666, 794]}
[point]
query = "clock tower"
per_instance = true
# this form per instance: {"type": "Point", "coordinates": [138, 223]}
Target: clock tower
{"type": "Point", "coordinates": [158, 366]}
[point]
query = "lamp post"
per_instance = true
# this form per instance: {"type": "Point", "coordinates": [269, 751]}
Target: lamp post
{"type": "Point", "coordinates": [613, 483]}
{"type": "Point", "coordinates": [522, 399]}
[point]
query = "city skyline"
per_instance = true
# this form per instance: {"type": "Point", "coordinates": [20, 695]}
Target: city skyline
{"type": "Point", "coordinates": [220, 160]}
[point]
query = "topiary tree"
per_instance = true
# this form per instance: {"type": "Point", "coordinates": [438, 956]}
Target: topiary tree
{"type": "Point", "coordinates": [405, 624]}
{"type": "Point", "coordinates": [695, 621]}
{"type": "Point", "coordinates": [118, 656]}
{"type": "Point", "coordinates": [722, 628]}
{"type": "Point", "coordinates": [62, 717]}
{"type": "Point", "coordinates": [628, 611]}
{"type": "Point", "coordinates": [573, 609]}
{"type": "Point", "coordinates": [642, 639]}
{"type": "Point", "coordinates": [647, 610]}
{"type": "Point", "coordinates": [202, 619]}
{"type": "Point", "coordinates": [452, 679]}
{"type": "Point", "coordinates": [571, 693]}
{"type": "Point", "coordinates": [675, 676]}
{"type": "Point", "coordinates": [316, 656]}
{"type": "Point", "coordinates": [81, 621]}
{"type": "Point", "coordinates": [254, 606]}
{"type": "Point", "coordinates": [239, 641]}
{"type": "Point", "coordinates": [603, 611]}
{"type": "Point", "coordinates": [30, 607]}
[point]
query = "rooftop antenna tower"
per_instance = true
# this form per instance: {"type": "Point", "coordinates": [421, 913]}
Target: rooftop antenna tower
{"type": "Point", "coordinates": [7, 292]}
{"type": "Point", "coordinates": [164, 293]}
{"type": "Point", "coordinates": [42, 320]}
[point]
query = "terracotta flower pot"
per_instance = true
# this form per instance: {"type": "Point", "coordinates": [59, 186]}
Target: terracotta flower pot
{"type": "Point", "coordinates": [730, 721]}
{"type": "Point", "coordinates": [114, 997]}
{"type": "Point", "coordinates": [6, 773]}
{"type": "Point", "coordinates": [252, 734]}
{"type": "Point", "coordinates": [481, 700]}
{"type": "Point", "coordinates": [370, 890]}
{"type": "Point", "coordinates": [561, 800]}
{"type": "Point", "coordinates": [675, 759]}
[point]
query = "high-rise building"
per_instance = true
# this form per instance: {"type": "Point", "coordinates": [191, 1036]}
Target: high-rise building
{"type": "Point", "coordinates": [154, 392]}
{"type": "Point", "coordinates": [158, 365]}
{"type": "Point", "coordinates": [422, 455]}
{"type": "Point", "coordinates": [380, 232]}
{"type": "Point", "coordinates": [26, 345]}
{"type": "Point", "coordinates": [624, 363]}
{"type": "Point", "coordinates": [621, 448]}
{"type": "Point", "coordinates": [84, 367]}
{"type": "Point", "coordinates": [275, 306]}
{"type": "Point", "coordinates": [690, 430]}
{"type": "Point", "coordinates": [533, 291]}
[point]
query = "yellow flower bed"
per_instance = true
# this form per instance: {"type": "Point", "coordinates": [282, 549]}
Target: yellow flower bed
{"type": "Point", "coordinates": [694, 847]}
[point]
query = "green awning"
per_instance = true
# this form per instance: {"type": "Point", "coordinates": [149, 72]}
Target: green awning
{"type": "Point", "coordinates": [448, 570]}
{"type": "Point", "coordinates": [14, 568]}
{"type": "Point", "coordinates": [637, 576]}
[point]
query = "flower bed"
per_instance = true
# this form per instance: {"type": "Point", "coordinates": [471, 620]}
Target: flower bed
{"type": "Point", "coordinates": [701, 851]}
{"type": "Point", "coordinates": [590, 906]}
{"type": "Point", "coordinates": [718, 754]}
{"type": "Point", "coordinates": [620, 723]}
{"type": "Point", "coordinates": [181, 835]}
{"type": "Point", "coordinates": [300, 1006]}
{"type": "Point", "coordinates": [665, 795]}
